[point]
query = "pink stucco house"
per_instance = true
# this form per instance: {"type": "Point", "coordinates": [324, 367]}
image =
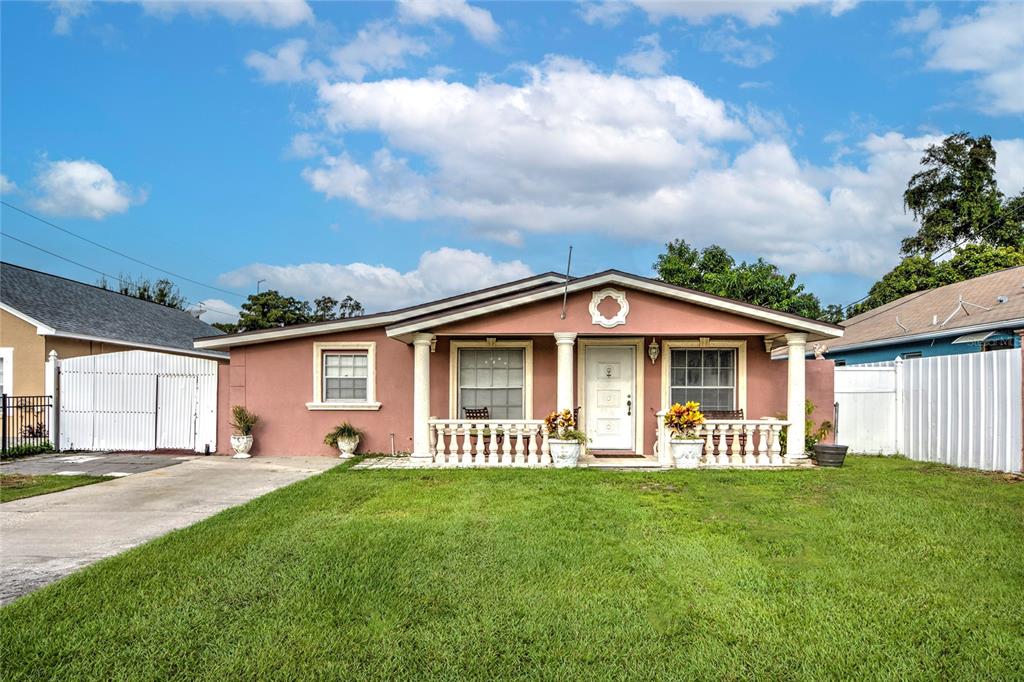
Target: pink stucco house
{"type": "Point", "coordinates": [618, 347]}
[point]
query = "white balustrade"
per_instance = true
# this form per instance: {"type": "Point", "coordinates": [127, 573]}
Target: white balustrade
{"type": "Point", "coordinates": [733, 442]}
{"type": "Point", "coordinates": [492, 442]}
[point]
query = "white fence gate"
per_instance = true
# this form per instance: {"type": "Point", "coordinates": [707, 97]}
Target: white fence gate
{"type": "Point", "coordinates": [138, 400]}
{"type": "Point", "coordinates": [963, 410]}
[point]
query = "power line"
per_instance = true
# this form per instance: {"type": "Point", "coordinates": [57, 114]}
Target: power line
{"type": "Point", "coordinates": [119, 279]}
{"type": "Point", "coordinates": [1013, 212]}
{"type": "Point", "coordinates": [119, 253]}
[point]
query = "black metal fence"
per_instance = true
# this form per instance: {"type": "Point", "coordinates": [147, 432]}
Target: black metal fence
{"type": "Point", "coordinates": [25, 423]}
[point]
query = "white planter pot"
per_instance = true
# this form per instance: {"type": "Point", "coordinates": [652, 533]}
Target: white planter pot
{"type": "Point", "coordinates": [347, 446]}
{"type": "Point", "coordinates": [241, 445]}
{"type": "Point", "coordinates": [564, 453]}
{"type": "Point", "coordinates": [686, 453]}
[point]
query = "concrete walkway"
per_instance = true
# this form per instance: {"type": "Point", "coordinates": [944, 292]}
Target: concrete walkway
{"type": "Point", "coordinates": [92, 463]}
{"type": "Point", "coordinates": [44, 538]}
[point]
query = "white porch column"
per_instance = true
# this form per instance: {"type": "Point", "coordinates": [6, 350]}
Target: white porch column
{"type": "Point", "coordinates": [564, 341]}
{"type": "Point", "coordinates": [421, 397]}
{"type": "Point", "coordinates": [796, 391]}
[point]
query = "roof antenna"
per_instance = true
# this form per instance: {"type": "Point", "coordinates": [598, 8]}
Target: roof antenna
{"type": "Point", "coordinates": [565, 292]}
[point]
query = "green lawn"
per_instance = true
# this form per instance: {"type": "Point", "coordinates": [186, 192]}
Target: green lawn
{"type": "Point", "coordinates": [17, 486]}
{"type": "Point", "coordinates": [883, 569]}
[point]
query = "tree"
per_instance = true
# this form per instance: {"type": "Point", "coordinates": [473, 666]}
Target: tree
{"type": "Point", "coordinates": [957, 201]}
{"type": "Point", "coordinates": [163, 291]}
{"type": "Point", "coordinates": [714, 271]}
{"type": "Point", "coordinates": [919, 273]}
{"type": "Point", "coordinates": [269, 309]}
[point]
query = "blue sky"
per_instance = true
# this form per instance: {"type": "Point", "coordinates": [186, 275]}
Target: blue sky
{"type": "Point", "coordinates": [405, 152]}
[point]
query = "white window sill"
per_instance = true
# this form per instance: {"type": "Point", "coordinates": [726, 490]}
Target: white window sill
{"type": "Point", "coordinates": [343, 406]}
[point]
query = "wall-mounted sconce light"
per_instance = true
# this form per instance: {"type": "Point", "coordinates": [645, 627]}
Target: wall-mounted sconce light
{"type": "Point", "coordinates": [653, 350]}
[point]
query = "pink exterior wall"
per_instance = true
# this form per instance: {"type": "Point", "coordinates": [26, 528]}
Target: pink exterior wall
{"type": "Point", "coordinates": [276, 379]}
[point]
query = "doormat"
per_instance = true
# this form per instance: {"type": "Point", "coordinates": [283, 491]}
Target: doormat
{"type": "Point", "coordinates": [611, 454]}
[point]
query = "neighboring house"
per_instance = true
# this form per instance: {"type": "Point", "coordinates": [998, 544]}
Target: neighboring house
{"type": "Point", "coordinates": [617, 346]}
{"type": "Point", "coordinates": [40, 313]}
{"type": "Point", "coordinates": [976, 315]}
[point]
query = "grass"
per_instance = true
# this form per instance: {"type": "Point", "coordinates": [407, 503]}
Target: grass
{"type": "Point", "coordinates": [885, 569]}
{"type": "Point", "coordinates": [18, 486]}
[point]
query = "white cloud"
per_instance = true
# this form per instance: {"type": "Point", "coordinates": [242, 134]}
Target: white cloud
{"type": "Point", "coordinates": [304, 146]}
{"type": "Point", "coordinates": [736, 50]}
{"type": "Point", "coordinates": [217, 310]}
{"type": "Point", "coordinates": [67, 12]}
{"type": "Point", "coordinates": [755, 85]}
{"type": "Point", "coordinates": [638, 158]}
{"type": "Point", "coordinates": [287, 64]}
{"type": "Point", "coordinates": [82, 188]}
{"type": "Point", "coordinates": [478, 21]}
{"type": "Point", "coordinates": [753, 13]}
{"type": "Point", "coordinates": [440, 273]}
{"type": "Point", "coordinates": [377, 47]}
{"type": "Point", "coordinates": [7, 185]}
{"type": "Point", "coordinates": [989, 43]}
{"type": "Point", "coordinates": [271, 13]}
{"type": "Point", "coordinates": [648, 58]}
{"type": "Point", "coordinates": [926, 20]}
{"type": "Point", "coordinates": [607, 13]}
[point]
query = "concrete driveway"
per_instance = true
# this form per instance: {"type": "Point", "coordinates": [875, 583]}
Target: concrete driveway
{"type": "Point", "coordinates": [44, 538]}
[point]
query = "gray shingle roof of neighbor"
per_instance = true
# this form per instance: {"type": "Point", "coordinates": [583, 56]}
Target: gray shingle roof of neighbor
{"type": "Point", "coordinates": [75, 308]}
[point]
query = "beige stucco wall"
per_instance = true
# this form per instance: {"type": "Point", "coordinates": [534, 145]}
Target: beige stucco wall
{"type": "Point", "coordinates": [29, 353]}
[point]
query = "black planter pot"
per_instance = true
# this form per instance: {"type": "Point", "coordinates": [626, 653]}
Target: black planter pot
{"type": "Point", "coordinates": [830, 455]}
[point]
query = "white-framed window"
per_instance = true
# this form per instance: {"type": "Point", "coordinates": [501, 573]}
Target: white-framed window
{"type": "Point", "coordinates": [496, 375]}
{"type": "Point", "coordinates": [704, 375]}
{"type": "Point", "coordinates": [714, 374]}
{"type": "Point", "coordinates": [344, 376]}
{"type": "Point", "coordinates": [7, 370]}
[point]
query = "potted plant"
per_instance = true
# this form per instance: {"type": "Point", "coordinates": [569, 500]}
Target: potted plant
{"type": "Point", "coordinates": [825, 455]}
{"type": "Point", "coordinates": [243, 421]}
{"type": "Point", "coordinates": [682, 421]}
{"type": "Point", "coordinates": [345, 437]}
{"type": "Point", "coordinates": [564, 439]}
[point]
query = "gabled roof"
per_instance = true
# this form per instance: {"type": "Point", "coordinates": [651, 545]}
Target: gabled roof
{"type": "Point", "coordinates": [970, 306]}
{"type": "Point", "coordinates": [815, 328]}
{"type": "Point", "coordinates": [67, 308]}
{"type": "Point", "coordinates": [402, 323]}
{"type": "Point", "coordinates": [378, 319]}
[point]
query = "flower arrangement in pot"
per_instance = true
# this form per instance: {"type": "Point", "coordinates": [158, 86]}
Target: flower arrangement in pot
{"type": "Point", "coordinates": [564, 439]}
{"type": "Point", "coordinates": [345, 437]}
{"type": "Point", "coordinates": [685, 446]}
{"type": "Point", "coordinates": [243, 422]}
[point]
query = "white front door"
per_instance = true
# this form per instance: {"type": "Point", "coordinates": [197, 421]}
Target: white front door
{"type": "Point", "coordinates": [610, 397]}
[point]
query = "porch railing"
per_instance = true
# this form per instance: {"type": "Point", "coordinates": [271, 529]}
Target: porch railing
{"type": "Point", "coordinates": [492, 442]}
{"type": "Point", "coordinates": [733, 442]}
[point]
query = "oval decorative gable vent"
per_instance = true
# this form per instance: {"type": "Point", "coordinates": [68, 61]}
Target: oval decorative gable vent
{"type": "Point", "coordinates": [619, 318]}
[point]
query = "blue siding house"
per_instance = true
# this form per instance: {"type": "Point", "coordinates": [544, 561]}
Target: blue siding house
{"type": "Point", "coordinates": [978, 315]}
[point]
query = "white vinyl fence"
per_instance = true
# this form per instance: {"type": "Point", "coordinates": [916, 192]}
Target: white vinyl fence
{"type": "Point", "coordinates": [963, 410]}
{"type": "Point", "coordinates": [138, 400]}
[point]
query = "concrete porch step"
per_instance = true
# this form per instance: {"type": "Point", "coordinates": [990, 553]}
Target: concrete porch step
{"type": "Point", "coordinates": [619, 463]}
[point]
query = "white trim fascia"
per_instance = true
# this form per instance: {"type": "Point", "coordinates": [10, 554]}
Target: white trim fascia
{"type": "Point", "coordinates": [741, 367]}
{"type": "Point", "coordinates": [41, 329]}
{"type": "Point", "coordinates": [355, 323]}
{"type": "Point", "coordinates": [453, 371]}
{"type": "Point", "coordinates": [214, 355]}
{"type": "Point", "coordinates": [639, 370]}
{"type": "Point", "coordinates": [318, 402]}
{"type": "Point", "coordinates": [924, 336]}
{"type": "Point", "coordinates": [736, 307]}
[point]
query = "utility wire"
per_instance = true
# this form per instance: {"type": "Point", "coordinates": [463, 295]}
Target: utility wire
{"type": "Point", "coordinates": [934, 258]}
{"type": "Point", "coordinates": [119, 279]}
{"type": "Point", "coordinates": [119, 253]}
